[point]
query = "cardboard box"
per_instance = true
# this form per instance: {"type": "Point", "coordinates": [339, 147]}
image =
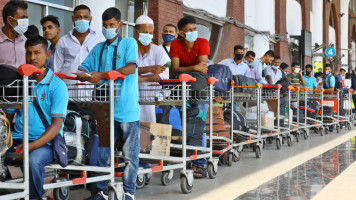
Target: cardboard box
{"type": "Point", "coordinates": [162, 140]}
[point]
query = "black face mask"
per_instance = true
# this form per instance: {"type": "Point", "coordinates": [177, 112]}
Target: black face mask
{"type": "Point", "coordinates": [239, 56]}
{"type": "Point", "coordinates": [307, 73]}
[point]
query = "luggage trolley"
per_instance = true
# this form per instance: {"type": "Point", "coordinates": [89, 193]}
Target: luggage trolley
{"type": "Point", "coordinates": [22, 88]}
{"type": "Point", "coordinates": [106, 92]}
{"type": "Point", "coordinates": [331, 99]}
{"type": "Point", "coordinates": [293, 97]}
{"type": "Point", "coordinates": [346, 120]}
{"type": "Point", "coordinates": [177, 92]}
{"type": "Point", "coordinates": [277, 132]}
{"type": "Point", "coordinates": [311, 122]}
{"type": "Point", "coordinates": [234, 145]}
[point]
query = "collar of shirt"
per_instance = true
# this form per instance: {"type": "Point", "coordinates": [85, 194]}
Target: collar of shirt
{"type": "Point", "coordinates": [91, 33]}
{"type": "Point", "coordinates": [241, 63]}
{"type": "Point", "coordinates": [48, 78]}
{"type": "Point", "coordinates": [4, 37]}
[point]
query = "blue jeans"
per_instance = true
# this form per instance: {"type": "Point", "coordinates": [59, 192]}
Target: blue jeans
{"type": "Point", "coordinates": [130, 133]}
{"type": "Point", "coordinates": [38, 159]}
{"type": "Point", "coordinates": [201, 162]}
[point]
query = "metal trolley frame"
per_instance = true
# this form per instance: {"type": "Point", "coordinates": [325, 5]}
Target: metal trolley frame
{"type": "Point", "coordinates": [22, 184]}
{"type": "Point", "coordinates": [108, 93]}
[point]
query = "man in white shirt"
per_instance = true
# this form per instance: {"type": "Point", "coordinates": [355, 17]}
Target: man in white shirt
{"type": "Point", "coordinates": [74, 47]}
{"type": "Point", "coordinates": [235, 64]}
{"type": "Point", "coordinates": [273, 73]}
{"type": "Point", "coordinates": [169, 34]}
{"type": "Point", "coordinates": [152, 66]}
{"type": "Point", "coordinates": [261, 63]}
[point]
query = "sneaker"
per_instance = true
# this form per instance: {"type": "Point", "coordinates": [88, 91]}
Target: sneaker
{"type": "Point", "coordinates": [98, 196]}
{"type": "Point", "coordinates": [129, 196]}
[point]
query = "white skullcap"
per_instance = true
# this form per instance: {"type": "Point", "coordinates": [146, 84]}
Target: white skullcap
{"type": "Point", "coordinates": [144, 19]}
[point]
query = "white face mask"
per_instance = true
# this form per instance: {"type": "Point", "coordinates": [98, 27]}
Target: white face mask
{"type": "Point", "coordinates": [22, 26]}
{"type": "Point", "coordinates": [274, 67]}
{"type": "Point", "coordinates": [296, 70]}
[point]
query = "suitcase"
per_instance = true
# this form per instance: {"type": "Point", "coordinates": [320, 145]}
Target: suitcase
{"type": "Point", "coordinates": [219, 128]}
{"type": "Point", "coordinates": [146, 138]}
{"type": "Point", "coordinates": [240, 122]}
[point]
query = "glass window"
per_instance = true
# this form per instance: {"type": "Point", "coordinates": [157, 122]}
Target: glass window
{"type": "Point", "coordinates": [248, 42]}
{"type": "Point", "coordinates": [65, 19]}
{"type": "Point", "coordinates": [68, 3]}
{"type": "Point", "coordinates": [35, 15]}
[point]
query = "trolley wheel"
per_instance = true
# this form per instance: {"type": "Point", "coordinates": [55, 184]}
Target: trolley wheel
{"type": "Point", "coordinates": [61, 193]}
{"type": "Point", "coordinates": [184, 186]}
{"type": "Point", "coordinates": [211, 172]}
{"type": "Point", "coordinates": [326, 131]}
{"type": "Point", "coordinates": [289, 141]}
{"type": "Point", "coordinates": [278, 143]}
{"type": "Point", "coordinates": [321, 131]}
{"type": "Point", "coordinates": [349, 126]}
{"type": "Point", "coordinates": [230, 159]}
{"type": "Point", "coordinates": [297, 137]}
{"type": "Point", "coordinates": [338, 129]}
{"type": "Point", "coordinates": [140, 182]}
{"type": "Point", "coordinates": [165, 180]}
{"type": "Point", "coordinates": [236, 158]}
{"type": "Point", "coordinates": [258, 152]}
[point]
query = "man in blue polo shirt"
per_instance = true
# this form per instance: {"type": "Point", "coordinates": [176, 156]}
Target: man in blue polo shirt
{"type": "Point", "coordinates": [52, 96]}
{"type": "Point", "coordinates": [127, 109]}
{"type": "Point", "coordinates": [329, 80]}
{"type": "Point", "coordinates": [309, 79]}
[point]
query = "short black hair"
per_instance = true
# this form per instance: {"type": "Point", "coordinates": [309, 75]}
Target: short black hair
{"type": "Point", "coordinates": [309, 66]}
{"type": "Point", "coordinates": [236, 47]}
{"type": "Point", "coordinates": [342, 69]}
{"type": "Point", "coordinates": [250, 53]}
{"type": "Point", "coordinates": [269, 53]}
{"type": "Point", "coordinates": [32, 30]}
{"type": "Point", "coordinates": [184, 21]}
{"type": "Point", "coordinates": [11, 7]}
{"type": "Point", "coordinates": [111, 13]}
{"type": "Point", "coordinates": [277, 57]}
{"type": "Point", "coordinates": [284, 65]}
{"type": "Point", "coordinates": [175, 28]}
{"type": "Point", "coordinates": [295, 64]}
{"type": "Point", "coordinates": [36, 40]}
{"type": "Point", "coordinates": [52, 19]}
{"type": "Point", "coordinates": [328, 65]}
{"type": "Point", "coordinates": [81, 7]}
{"type": "Point", "coordinates": [318, 74]}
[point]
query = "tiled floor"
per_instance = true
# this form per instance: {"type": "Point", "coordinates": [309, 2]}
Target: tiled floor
{"type": "Point", "coordinates": [306, 180]}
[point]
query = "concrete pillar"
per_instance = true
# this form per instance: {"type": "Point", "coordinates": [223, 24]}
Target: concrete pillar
{"type": "Point", "coordinates": [281, 48]}
{"type": "Point", "coordinates": [317, 31]}
{"type": "Point", "coordinates": [97, 8]}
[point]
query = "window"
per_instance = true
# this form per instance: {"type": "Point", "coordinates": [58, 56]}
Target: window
{"type": "Point", "coordinates": [130, 10]}
{"type": "Point", "coordinates": [248, 42]}
{"type": "Point", "coordinates": [63, 9]}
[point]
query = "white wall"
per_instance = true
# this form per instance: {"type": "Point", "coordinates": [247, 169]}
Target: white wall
{"type": "Point", "coordinates": [332, 36]}
{"type": "Point", "coordinates": [317, 25]}
{"type": "Point", "coordinates": [294, 17]}
{"type": "Point", "coordinates": [260, 15]}
{"type": "Point", "coordinates": [344, 8]}
{"type": "Point", "coordinates": [216, 7]}
{"type": "Point", "coordinates": [97, 8]}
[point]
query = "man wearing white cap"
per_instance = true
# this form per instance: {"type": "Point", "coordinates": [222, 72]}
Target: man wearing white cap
{"type": "Point", "coordinates": [152, 65]}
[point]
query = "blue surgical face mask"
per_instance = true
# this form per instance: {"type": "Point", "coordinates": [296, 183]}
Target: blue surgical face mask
{"type": "Point", "coordinates": [109, 33]}
{"type": "Point", "coordinates": [145, 38]}
{"type": "Point", "coordinates": [168, 37]}
{"type": "Point", "coordinates": [82, 25]}
{"type": "Point", "coordinates": [191, 36]}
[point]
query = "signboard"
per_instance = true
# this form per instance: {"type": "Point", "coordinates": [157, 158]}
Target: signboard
{"type": "Point", "coordinates": [330, 52]}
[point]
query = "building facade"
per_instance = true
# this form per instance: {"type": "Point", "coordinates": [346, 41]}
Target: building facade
{"type": "Point", "coordinates": [297, 30]}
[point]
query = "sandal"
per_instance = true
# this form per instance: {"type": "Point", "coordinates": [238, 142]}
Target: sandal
{"type": "Point", "coordinates": [199, 172]}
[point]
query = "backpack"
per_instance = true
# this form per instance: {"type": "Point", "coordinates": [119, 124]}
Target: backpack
{"type": "Point", "coordinates": [240, 122]}
{"type": "Point", "coordinates": [284, 82]}
{"type": "Point", "coordinates": [170, 115]}
{"type": "Point", "coordinates": [196, 119]}
{"type": "Point", "coordinates": [241, 80]}
{"type": "Point", "coordinates": [9, 74]}
{"type": "Point", "coordinates": [312, 108]}
{"type": "Point", "coordinates": [81, 134]}
{"type": "Point", "coordinates": [223, 74]}
{"type": "Point", "coordinates": [338, 84]}
{"type": "Point", "coordinates": [200, 83]}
